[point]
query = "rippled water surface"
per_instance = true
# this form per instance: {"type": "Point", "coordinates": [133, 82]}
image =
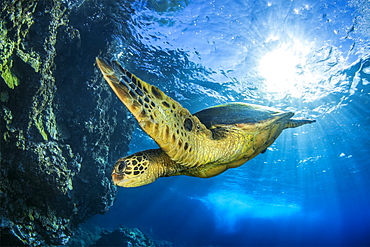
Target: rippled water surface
{"type": "Point", "coordinates": [312, 186]}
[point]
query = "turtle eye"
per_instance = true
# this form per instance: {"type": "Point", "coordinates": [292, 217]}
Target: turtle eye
{"type": "Point", "coordinates": [120, 166]}
{"type": "Point", "coordinates": [188, 124]}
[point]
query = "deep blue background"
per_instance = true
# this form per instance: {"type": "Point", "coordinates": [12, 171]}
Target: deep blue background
{"type": "Point", "coordinates": [312, 186]}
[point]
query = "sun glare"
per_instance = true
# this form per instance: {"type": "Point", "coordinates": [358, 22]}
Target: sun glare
{"type": "Point", "coordinates": [282, 69]}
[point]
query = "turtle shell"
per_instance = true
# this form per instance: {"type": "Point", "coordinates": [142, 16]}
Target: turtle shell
{"type": "Point", "coordinates": [235, 113]}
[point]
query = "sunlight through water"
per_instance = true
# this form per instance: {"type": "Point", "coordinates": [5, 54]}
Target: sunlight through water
{"type": "Point", "coordinates": [284, 68]}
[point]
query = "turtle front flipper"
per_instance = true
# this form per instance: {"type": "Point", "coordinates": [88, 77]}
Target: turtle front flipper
{"type": "Point", "coordinates": [170, 125]}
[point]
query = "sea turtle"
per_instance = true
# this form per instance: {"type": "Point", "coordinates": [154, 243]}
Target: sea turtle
{"type": "Point", "coordinates": [203, 144]}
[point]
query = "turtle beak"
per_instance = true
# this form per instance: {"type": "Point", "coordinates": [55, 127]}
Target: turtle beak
{"type": "Point", "coordinates": [120, 180]}
{"type": "Point", "coordinates": [117, 178]}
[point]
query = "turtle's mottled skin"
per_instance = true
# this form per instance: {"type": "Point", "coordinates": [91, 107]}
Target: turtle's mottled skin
{"type": "Point", "coordinates": [203, 144]}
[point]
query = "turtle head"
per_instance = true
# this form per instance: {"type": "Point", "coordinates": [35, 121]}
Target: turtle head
{"type": "Point", "coordinates": [135, 170]}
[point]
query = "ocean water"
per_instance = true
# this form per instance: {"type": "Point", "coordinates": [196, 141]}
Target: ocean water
{"type": "Point", "coordinates": [312, 186]}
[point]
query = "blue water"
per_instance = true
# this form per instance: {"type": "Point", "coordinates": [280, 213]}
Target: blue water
{"type": "Point", "coordinates": [312, 186]}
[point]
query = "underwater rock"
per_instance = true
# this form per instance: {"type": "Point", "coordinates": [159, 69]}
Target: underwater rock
{"type": "Point", "coordinates": [60, 130]}
{"type": "Point", "coordinates": [124, 237]}
{"type": "Point", "coordinates": [91, 235]}
{"type": "Point", "coordinates": [128, 237]}
{"type": "Point", "coordinates": [85, 235]}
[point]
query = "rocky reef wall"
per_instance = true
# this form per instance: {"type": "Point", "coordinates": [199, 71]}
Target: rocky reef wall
{"type": "Point", "coordinates": [61, 127]}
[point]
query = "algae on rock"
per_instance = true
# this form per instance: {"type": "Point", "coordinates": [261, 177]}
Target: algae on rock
{"type": "Point", "coordinates": [19, 21]}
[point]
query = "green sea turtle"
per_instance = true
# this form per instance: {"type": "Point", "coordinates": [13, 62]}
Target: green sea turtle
{"type": "Point", "coordinates": [203, 144]}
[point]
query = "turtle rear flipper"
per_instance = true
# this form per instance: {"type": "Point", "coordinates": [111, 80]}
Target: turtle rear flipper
{"type": "Point", "coordinates": [296, 122]}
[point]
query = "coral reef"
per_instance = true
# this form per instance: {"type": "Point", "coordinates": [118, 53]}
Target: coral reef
{"type": "Point", "coordinates": [60, 129]}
